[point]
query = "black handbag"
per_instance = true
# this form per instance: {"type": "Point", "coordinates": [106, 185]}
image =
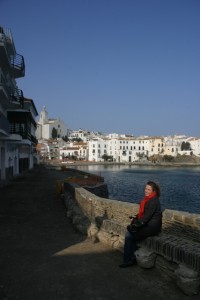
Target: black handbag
{"type": "Point", "coordinates": [135, 226]}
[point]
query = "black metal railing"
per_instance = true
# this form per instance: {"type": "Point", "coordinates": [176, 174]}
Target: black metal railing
{"type": "Point", "coordinates": [16, 96]}
{"type": "Point", "coordinates": [17, 129]}
{"type": "Point", "coordinates": [6, 38]}
{"type": "Point", "coordinates": [15, 60]}
{"type": "Point", "coordinates": [18, 65]}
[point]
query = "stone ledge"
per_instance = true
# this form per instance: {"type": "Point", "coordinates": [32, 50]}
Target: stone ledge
{"type": "Point", "coordinates": [184, 254]}
{"type": "Point", "coordinates": [106, 221]}
{"type": "Point", "coordinates": [175, 249]}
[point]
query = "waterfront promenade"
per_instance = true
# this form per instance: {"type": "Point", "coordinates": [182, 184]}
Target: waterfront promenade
{"type": "Point", "coordinates": [43, 257]}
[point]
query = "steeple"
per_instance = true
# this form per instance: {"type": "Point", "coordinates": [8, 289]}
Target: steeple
{"type": "Point", "coordinates": [43, 116]}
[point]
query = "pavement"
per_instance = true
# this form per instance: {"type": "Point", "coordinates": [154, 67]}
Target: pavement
{"type": "Point", "coordinates": [42, 256]}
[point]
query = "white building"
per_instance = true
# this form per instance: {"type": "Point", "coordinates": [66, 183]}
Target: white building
{"type": "Point", "coordinates": [173, 144]}
{"type": "Point", "coordinates": [130, 149]}
{"type": "Point", "coordinates": [120, 149]}
{"type": "Point", "coordinates": [45, 127]}
{"type": "Point", "coordinates": [77, 151]}
{"type": "Point", "coordinates": [97, 148]}
{"type": "Point", "coordinates": [80, 134]}
{"type": "Point", "coordinates": [194, 146]}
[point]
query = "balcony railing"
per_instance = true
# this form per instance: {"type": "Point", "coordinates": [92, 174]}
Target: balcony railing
{"type": "Point", "coordinates": [18, 66]}
{"type": "Point", "coordinates": [7, 39]}
{"type": "Point", "coordinates": [24, 133]}
{"type": "Point", "coordinates": [9, 57]}
{"type": "Point", "coordinates": [16, 96]}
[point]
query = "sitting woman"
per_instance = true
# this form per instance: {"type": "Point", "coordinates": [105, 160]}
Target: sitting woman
{"type": "Point", "coordinates": [148, 222]}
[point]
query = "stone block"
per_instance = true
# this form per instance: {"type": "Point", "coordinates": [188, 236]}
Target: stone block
{"type": "Point", "coordinates": [178, 216]}
{"type": "Point", "coordinates": [145, 258]}
{"type": "Point", "coordinates": [166, 266]}
{"type": "Point", "coordinates": [187, 280]}
{"type": "Point", "coordinates": [197, 221]}
{"type": "Point", "coordinates": [92, 232]}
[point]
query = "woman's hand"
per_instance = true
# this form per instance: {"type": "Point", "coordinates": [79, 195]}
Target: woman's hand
{"type": "Point", "coordinates": [138, 224]}
{"type": "Point", "coordinates": [133, 219]}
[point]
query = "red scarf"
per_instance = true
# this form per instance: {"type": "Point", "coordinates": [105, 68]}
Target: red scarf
{"type": "Point", "coordinates": [143, 203]}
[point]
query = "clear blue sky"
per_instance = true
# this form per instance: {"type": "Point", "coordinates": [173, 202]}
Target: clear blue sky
{"type": "Point", "coordinates": [123, 66]}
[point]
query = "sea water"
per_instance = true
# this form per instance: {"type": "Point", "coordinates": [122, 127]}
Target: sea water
{"type": "Point", "coordinates": [180, 186]}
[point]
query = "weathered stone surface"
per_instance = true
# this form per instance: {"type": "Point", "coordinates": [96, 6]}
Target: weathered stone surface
{"type": "Point", "coordinates": [188, 286]}
{"type": "Point", "coordinates": [186, 272]}
{"type": "Point", "coordinates": [145, 258]}
{"type": "Point", "coordinates": [92, 232]}
{"type": "Point", "coordinates": [188, 280]}
{"type": "Point", "coordinates": [168, 267]}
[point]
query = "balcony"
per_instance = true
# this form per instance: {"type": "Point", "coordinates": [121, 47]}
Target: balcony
{"type": "Point", "coordinates": [20, 130]}
{"type": "Point", "coordinates": [7, 47]}
{"type": "Point", "coordinates": [16, 96]}
{"type": "Point", "coordinates": [17, 66]}
{"type": "Point", "coordinates": [10, 95]}
{"type": "Point", "coordinates": [20, 123]}
{"type": "Point", "coordinates": [7, 39]}
{"type": "Point", "coordinates": [9, 59]}
{"type": "Point", "coordinates": [4, 125]}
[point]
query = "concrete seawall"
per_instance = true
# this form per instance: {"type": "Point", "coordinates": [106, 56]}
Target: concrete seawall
{"type": "Point", "coordinates": [176, 250]}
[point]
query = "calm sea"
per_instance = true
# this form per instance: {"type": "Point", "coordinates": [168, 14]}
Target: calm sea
{"type": "Point", "coordinates": [180, 187]}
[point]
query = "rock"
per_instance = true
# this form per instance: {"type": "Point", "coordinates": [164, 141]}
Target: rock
{"type": "Point", "coordinates": [145, 258]}
{"type": "Point", "coordinates": [188, 280]}
{"type": "Point", "coordinates": [92, 232]}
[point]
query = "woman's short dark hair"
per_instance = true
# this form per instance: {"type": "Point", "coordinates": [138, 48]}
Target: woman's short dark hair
{"type": "Point", "coordinates": [155, 187]}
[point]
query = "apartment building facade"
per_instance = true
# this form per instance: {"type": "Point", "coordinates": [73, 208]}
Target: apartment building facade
{"type": "Point", "coordinates": [17, 113]}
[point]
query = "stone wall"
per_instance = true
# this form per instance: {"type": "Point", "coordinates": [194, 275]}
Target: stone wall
{"type": "Point", "coordinates": [176, 250]}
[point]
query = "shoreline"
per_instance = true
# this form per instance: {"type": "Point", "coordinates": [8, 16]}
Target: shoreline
{"type": "Point", "coordinates": [143, 164]}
